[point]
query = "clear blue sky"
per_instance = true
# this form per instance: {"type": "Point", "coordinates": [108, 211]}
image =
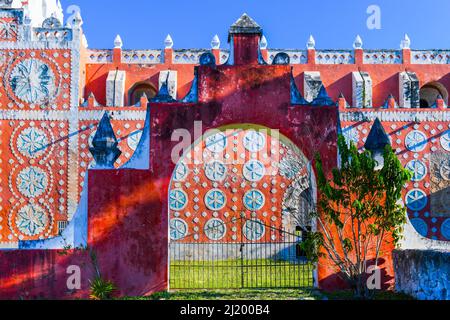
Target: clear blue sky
{"type": "Point", "coordinates": [287, 23]}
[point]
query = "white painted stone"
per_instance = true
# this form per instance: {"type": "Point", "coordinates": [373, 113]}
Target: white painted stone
{"type": "Point", "coordinates": [172, 81]}
{"type": "Point", "coordinates": [405, 43]}
{"type": "Point", "coordinates": [39, 10]}
{"type": "Point", "coordinates": [362, 90]}
{"type": "Point", "coordinates": [215, 42]}
{"type": "Point", "coordinates": [357, 44]}
{"type": "Point", "coordinates": [115, 88]}
{"type": "Point", "coordinates": [118, 43]}
{"type": "Point", "coordinates": [168, 42]}
{"type": "Point", "coordinates": [409, 90]}
{"type": "Point", "coordinates": [311, 44]}
{"type": "Point", "coordinates": [312, 84]}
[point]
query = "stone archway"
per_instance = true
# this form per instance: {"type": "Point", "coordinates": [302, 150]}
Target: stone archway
{"type": "Point", "coordinates": [242, 183]}
{"type": "Point", "coordinates": [237, 165]}
{"type": "Point", "coordinates": [430, 92]}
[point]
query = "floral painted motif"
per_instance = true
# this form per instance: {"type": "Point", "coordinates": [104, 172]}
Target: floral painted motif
{"type": "Point", "coordinates": [418, 169]}
{"type": "Point", "coordinates": [215, 199]}
{"type": "Point", "coordinates": [216, 171]}
{"type": "Point", "coordinates": [32, 142]}
{"type": "Point", "coordinates": [31, 220]}
{"type": "Point", "coordinates": [215, 229]}
{"type": "Point", "coordinates": [254, 141]}
{"type": "Point", "coordinates": [416, 141]}
{"type": "Point", "coordinates": [254, 170]}
{"type": "Point", "coordinates": [32, 182]}
{"type": "Point", "coordinates": [178, 229]}
{"type": "Point", "coordinates": [33, 81]}
{"type": "Point", "coordinates": [254, 200]}
{"type": "Point", "coordinates": [178, 199]}
{"type": "Point", "coordinates": [254, 230]}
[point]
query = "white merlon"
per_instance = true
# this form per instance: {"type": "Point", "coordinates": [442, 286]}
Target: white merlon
{"type": "Point", "coordinates": [168, 42]}
{"type": "Point", "coordinates": [215, 42]}
{"type": "Point", "coordinates": [115, 88]}
{"type": "Point", "coordinates": [405, 43]}
{"type": "Point", "coordinates": [118, 42]}
{"type": "Point", "coordinates": [311, 44]}
{"type": "Point", "coordinates": [358, 44]}
{"type": "Point", "coordinates": [172, 81]}
{"type": "Point", "coordinates": [409, 90]}
{"type": "Point", "coordinates": [263, 43]}
{"type": "Point", "coordinates": [312, 85]}
{"type": "Point", "coordinates": [362, 90]}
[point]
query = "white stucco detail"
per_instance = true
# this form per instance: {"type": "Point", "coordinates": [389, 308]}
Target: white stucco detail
{"type": "Point", "coordinates": [172, 81]}
{"type": "Point", "coordinates": [39, 10]}
{"type": "Point", "coordinates": [115, 88]}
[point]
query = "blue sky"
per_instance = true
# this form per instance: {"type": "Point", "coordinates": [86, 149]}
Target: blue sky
{"type": "Point", "coordinates": [287, 23]}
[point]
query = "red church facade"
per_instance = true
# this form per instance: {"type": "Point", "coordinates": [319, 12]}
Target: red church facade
{"type": "Point", "coordinates": [125, 212]}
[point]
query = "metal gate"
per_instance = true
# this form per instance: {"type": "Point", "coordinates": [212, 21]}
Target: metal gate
{"type": "Point", "coordinates": [272, 259]}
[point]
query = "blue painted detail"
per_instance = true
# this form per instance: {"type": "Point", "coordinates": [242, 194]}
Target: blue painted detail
{"type": "Point", "coordinates": [141, 157]}
{"type": "Point", "coordinates": [377, 139]}
{"type": "Point", "coordinates": [180, 173]}
{"type": "Point", "coordinates": [215, 199]}
{"type": "Point", "coordinates": [178, 229]}
{"type": "Point", "coordinates": [216, 143]}
{"type": "Point", "coordinates": [420, 226]}
{"type": "Point", "coordinates": [254, 141]}
{"type": "Point", "coordinates": [75, 234]}
{"type": "Point", "coordinates": [416, 141]}
{"type": "Point", "coordinates": [445, 229]}
{"type": "Point", "coordinates": [296, 96]}
{"type": "Point", "coordinates": [281, 58]}
{"type": "Point", "coordinates": [192, 96]}
{"type": "Point", "coordinates": [416, 200]}
{"type": "Point", "coordinates": [254, 200]}
{"type": "Point", "coordinates": [207, 59]}
{"type": "Point", "coordinates": [216, 171]}
{"type": "Point", "coordinates": [215, 229]}
{"type": "Point", "coordinates": [418, 168]}
{"type": "Point", "coordinates": [105, 150]}
{"type": "Point", "coordinates": [163, 95]}
{"type": "Point", "coordinates": [178, 199]}
{"type": "Point", "coordinates": [254, 170]}
{"type": "Point", "coordinates": [323, 99]}
{"type": "Point", "coordinates": [254, 230]}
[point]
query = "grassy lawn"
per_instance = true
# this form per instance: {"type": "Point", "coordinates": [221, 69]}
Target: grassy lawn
{"type": "Point", "coordinates": [237, 274]}
{"type": "Point", "coordinates": [263, 294]}
{"type": "Point", "coordinates": [242, 294]}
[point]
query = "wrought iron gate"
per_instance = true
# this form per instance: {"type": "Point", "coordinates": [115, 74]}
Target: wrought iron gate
{"type": "Point", "coordinates": [273, 259]}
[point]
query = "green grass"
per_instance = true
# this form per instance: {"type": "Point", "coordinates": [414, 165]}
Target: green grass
{"type": "Point", "coordinates": [237, 274]}
{"type": "Point", "coordinates": [242, 294]}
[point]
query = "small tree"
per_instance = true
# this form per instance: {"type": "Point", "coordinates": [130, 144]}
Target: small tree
{"type": "Point", "coordinates": [359, 211]}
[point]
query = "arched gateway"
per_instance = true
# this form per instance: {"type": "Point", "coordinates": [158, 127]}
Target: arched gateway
{"type": "Point", "coordinates": [240, 200]}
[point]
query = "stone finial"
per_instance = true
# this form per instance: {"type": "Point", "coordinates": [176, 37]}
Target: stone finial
{"type": "Point", "coordinates": [245, 24]}
{"type": "Point", "coordinates": [390, 102]}
{"type": "Point", "coordinates": [405, 43]}
{"type": "Point", "coordinates": [215, 42]}
{"type": "Point", "coordinates": [168, 42]}
{"type": "Point", "coordinates": [377, 139]}
{"type": "Point", "coordinates": [311, 44]}
{"type": "Point", "coordinates": [118, 42]}
{"type": "Point", "coordinates": [263, 43]}
{"type": "Point", "coordinates": [77, 20]}
{"type": "Point", "coordinates": [105, 150]}
{"type": "Point", "coordinates": [357, 44]}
